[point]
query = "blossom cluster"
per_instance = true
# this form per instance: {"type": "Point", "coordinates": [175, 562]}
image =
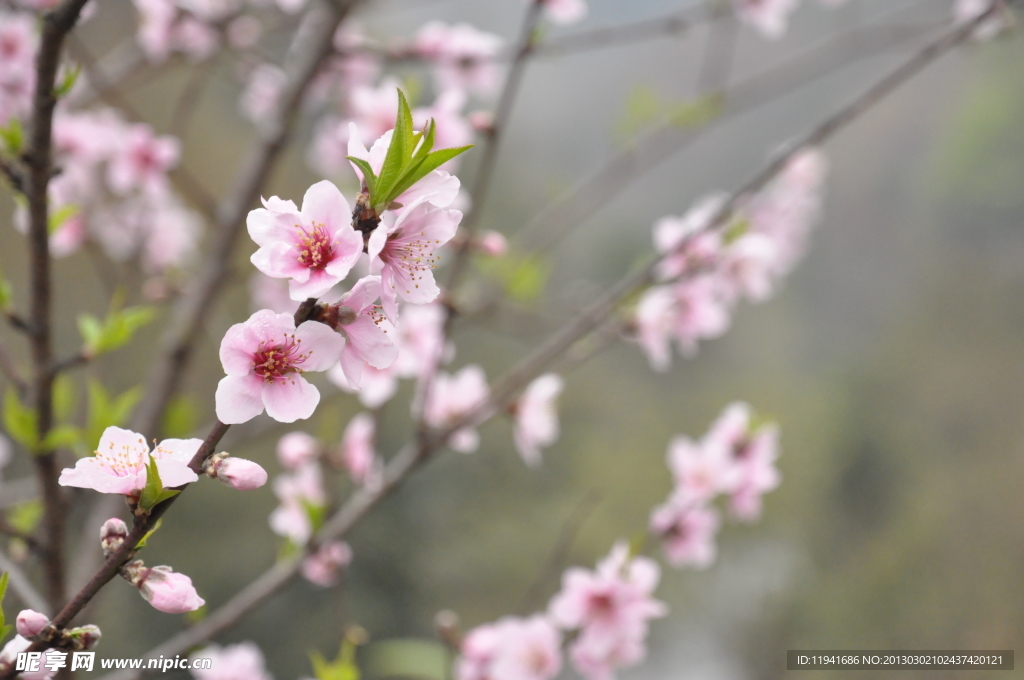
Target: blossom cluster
{"type": "Point", "coordinates": [708, 266]}
{"type": "Point", "coordinates": [736, 459]}
{"type": "Point", "coordinates": [602, 614]}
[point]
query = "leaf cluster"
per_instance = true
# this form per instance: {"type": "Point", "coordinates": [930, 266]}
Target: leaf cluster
{"type": "Point", "coordinates": [410, 158]}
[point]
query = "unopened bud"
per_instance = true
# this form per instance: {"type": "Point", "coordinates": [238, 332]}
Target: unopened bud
{"type": "Point", "coordinates": [238, 473]}
{"type": "Point", "coordinates": [83, 638]}
{"type": "Point", "coordinates": [112, 535]}
{"type": "Point", "coordinates": [446, 623]}
{"type": "Point", "coordinates": [492, 243]}
{"type": "Point", "coordinates": [30, 623]}
{"type": "Point", "coordinates": [482, 121]}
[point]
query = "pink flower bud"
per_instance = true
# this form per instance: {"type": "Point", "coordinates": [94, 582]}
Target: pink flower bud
{"type": "Point", "coordinates": [31, 623]}
{"type": "Point", "coordinates": [112, 535]}
{"type": "Point", "coordinates": [481, 120]}
{"type": "Point", "coordinates": [492, 243]}
{"type": "Point", "coordinates": [295, 449]}
{"type": "Point", "coordinates": [240, 474]}
{"type": "Point", "coordinates": [167, 591]}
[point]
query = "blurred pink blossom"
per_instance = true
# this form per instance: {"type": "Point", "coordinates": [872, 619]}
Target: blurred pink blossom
{"type": "Point", "coordinates": [687, 532]}
{"type": "Point", "coordinates": [536, 415]}
{"type": "Point", "coordinates": [357, 450]}
{"type": "Point", "coordinates": [511, 649]}
{"type": "Point", "coordinates": [451, 398]}
{"type": "Point", "coordinates": [464, 58]}
{"type": "Point", "coordinates": [321, 568]}
{"type": "Point", "coordinates": [243, 661]}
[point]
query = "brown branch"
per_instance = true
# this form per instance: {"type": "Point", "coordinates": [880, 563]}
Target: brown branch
{"type": "Point", "coordinates": [410, 458]}
{"type": "Point", "coordinates": [71, 363]}
{"type": "Point", "coordinates": [192, 308]}
{"type": "Point", "coordinates": [17, 322]}
{"type": "Point", "coordinates": [56, 24]}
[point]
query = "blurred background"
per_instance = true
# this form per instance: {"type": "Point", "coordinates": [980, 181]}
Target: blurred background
{"type": "Point", "coordinates": [891, 359]}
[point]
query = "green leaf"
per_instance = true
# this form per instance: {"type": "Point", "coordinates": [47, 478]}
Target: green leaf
{"type": "Point", "coordinates": [62, 437]}
{"type": "Point", "coordinates": [67, 83]}
{"type": "Point", "coordinates": [154, 489]}
{"type": "Point", "coordinates": [13, 137]}
{"type": "Point", "coordinates": [25, 517]}
{"type": "Point", "coordinates": [104, 411]}
{"type": "Point", "coordinates": [523, 278]}
{"type": "Point", "coordinates": [369, 178]}
{"type": "Point", "coordinates": [60, 216]}
{"type": "Point", "coordinates": [433, 161]}
{"type": "Point", "coordinates": [114, 332]}
{"type": "Point", "coordinates": [408, 658]}
{"type": "Point", "coordinates": [344, 667]}
{"type": "Point", "coordinates": [63, 396]}
{"type": "Point", "coordinates": [4, 629]}
{"type": "Point", "coordinates": [397, 156]}
{"type": "Point", "coordinates": [181, 418]}
{"type": "Point", "coordinates": [5, 294]}
{"type": "Point", "coordinates": [697, 113]}
{"type": "Point", "coordinates": [20, 421]}
{"type": "Point", "coordinates": [316, 514]}
{"type": "Point", "coordinates": [156, 527]}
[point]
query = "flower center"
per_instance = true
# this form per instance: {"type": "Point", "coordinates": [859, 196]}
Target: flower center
{"type": "Point", "coordinates": [314, 246]}
{"type": "Point", "coordinates": [122, 460]}
{"type": "Point", "coordinates": [416, 256]}
{"type": "Point", "coordinates": [273, 362]}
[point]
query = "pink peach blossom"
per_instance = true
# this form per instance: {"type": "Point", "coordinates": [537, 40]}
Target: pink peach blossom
{"type": "Point", "coordinates": [142, 161]}
{"type": "Point", "coordinates": [684, 241]}
{"type": "Point", "coordinates": [376, 386]}
{"type": "Point", "coordinates": [453, 397]}
{"type": "Point", "coordinates": [464, 58]}
{"type": "Point", "coordinates": [687, 532]}
{"type": "Point", "coordinates": [768, 17]}
{"type": "Point", "coordinates": [264, 359]}
{"type": "Point", "coordinates": [511, 649]}
{"type": "Point", "coordinates": [357, 450]}
{"type": "Point", "coordinates": [537, 417]}
{"type": "Point", "coordinates": [611, 608]}
{"type": "Point", "coordinates": [262, 91]}
{"type": "Point", "coordinates": [297, 492]}
{"type": "Point", "coordinates": [566, 12]}
{"type": "Point", "coordinates": [297, 449]}
{"type": "Point", "coordinates": [314, 247]}
{"type": "Point", "coordinates": [368, 335]}
{"type": "Point", "coordinates": [119, 463]}
{"type": "Point", "coordinates": [701, 470]}
{"type": "Point", "coordinates": [321, 568]}
{"type": "Point", "coordinates": [243, 661]}
{"type": "Point", "coordinates": [403, 251]}
{"type": "Point", "coordinates": [9, 657]}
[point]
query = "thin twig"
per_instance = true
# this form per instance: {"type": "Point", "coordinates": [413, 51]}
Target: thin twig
{"type": "Point", "coordinates": [21, 585]}
{"type": "Point", "coordinates": [553, 222]}
{"type": "Point", "coordinates": [71, 363]}
{"type": "Point", "coordinates": [555, 562]}
{"type": "Point", "coordinates": [412, 456]}
{"type": "Point", "coordinates": [17, 322]}
{"type": "Point", "coordinates": [56, 25]}
{"type": "Point", "coordinates": [13, 175]}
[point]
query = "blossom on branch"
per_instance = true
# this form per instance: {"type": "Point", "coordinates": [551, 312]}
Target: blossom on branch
{"type": "Point", "coordinates": [464, 57]}
{"type": "Point", "coordinates": [610, 608]}
{"type": "Point", "coordinates": [315, 247]}
{"type": "Point", "coordinates": [119, 463]}
{"type": "Point", "coordinates": [565, 12]}
{"type": "Point", "coordinates": [30, 623]}
{"type": "Point", "coordinates": [265, 359]}
{"type": "Point", "coordinates": [297, 449]}
{"type": "Point", "coordinates": [357, 454]}
{"type": "Point", "coordinates": [769, 17]}
{"type": "Point", "coordinates": [321, 568]}
{"type": "Point", "coordinates": [403, 250]}
{"type": "Point", "coordinates": [687, 531]}
{"type": "Point", "coordinates": [453, 397]}
{"type": "Point", "coordinates": [368, 335]}
{"type": "Point", "coordinates": [299, 493]}
{"type": "Point", "coordinates": [243, 661]}
{"type": "Point", "coordinates": [536, 415]}
{"type": "Point", "coordinates": [511, 649]}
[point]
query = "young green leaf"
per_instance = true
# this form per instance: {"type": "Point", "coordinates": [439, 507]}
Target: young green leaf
{"type": "Point", "coordinates": [60, 216]}
{"type": "Point", "coordinates": [156, 527]}
{"type": "Point", "coordinates": [104, 411]}
{"type": "Point", "coordinates": [20, 421]}
{"type": "Point", "coordinates": [5, 294]}
{"type": "Point", "coordinates": [63, 396]}
{"type": "Point", "coordinates": [369, 178]}
{"type": "Point", "coordinates": [13, 136]}
{"type": "Point", "coordinates": [395, 159]}
{"type": "Point", "coordinates": [115, 331]}
{"type": "Point", "coordinates": [24, 517]}
{"type": "Point", "coordinates": [67, 83]}
{"type": "Point", "coordinates": [62, 437]}
{"type": "Point", "coordinates": [154, 493]}
{"type": "Point", "coordinates": [433, 161]}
